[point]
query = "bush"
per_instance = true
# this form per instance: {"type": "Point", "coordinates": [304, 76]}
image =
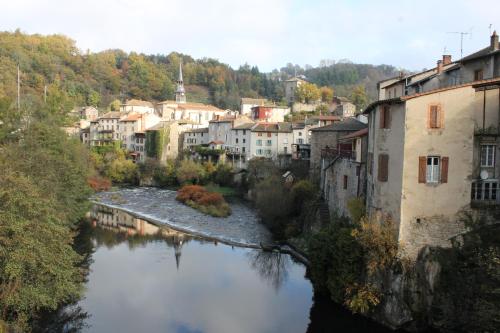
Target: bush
{"type": "Point", "coordinates": [302, 191]}
{"type": "Point", "coordinates": [336, 260]}
{"type": "Point", "coordinates": [190, 172]}
{"type": "Point", "coordinates": [207, 202]}
{"type": "Point", "coordinates": [224, 175]}
{"type": "Point", "coordinates": [273, 202]}
{"type": "Point", "coordinates": [356, 208]}
{"type": "Point", "coordinates": [164, 175]}
{"type": "Point", "coordinates": [98, 183]}
{"type": "Point", "coordinates": [123, 171]}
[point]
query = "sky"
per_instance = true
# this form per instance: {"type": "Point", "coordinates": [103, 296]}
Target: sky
{"type": "Point", "coordinates": [267, 33]}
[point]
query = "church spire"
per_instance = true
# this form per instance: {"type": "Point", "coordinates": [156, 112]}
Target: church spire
{"type": "Point", "coordinates": [180, 92]}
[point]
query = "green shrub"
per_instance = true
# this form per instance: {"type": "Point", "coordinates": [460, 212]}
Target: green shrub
{"type": "Point", "coordinates": [356, 208]}
{"type": "Point", "coordinates": [336, 260]}
{"type": "Point", "coordinates": [224, 175]}
{"type": "Point", "coordinates": [123, 171]}
{"type": "Point", "coordinates": [190, 172]}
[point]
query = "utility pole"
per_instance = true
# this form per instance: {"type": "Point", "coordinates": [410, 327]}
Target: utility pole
{"type": "Point", "coordinates": [462, 34]}
{"type": "Point", "coordinates": [18, 89]}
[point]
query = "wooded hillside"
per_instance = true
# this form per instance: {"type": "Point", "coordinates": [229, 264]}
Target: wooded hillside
{"type": "Point", "coordinates": [99, 78]}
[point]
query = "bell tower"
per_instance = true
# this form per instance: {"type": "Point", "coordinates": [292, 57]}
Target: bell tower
{"type": "Point", "coordinates": [180, 92]}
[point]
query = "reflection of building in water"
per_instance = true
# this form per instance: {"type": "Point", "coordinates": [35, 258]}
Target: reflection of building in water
{"type": "Point", "coordinates": [120, 221]}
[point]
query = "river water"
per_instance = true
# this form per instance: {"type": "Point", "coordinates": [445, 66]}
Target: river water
{"type": "Point", "coordinates": [150, 277]}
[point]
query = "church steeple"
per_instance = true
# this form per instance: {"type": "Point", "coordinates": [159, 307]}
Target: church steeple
{"type": "Point", "coordinates": [180, 92]}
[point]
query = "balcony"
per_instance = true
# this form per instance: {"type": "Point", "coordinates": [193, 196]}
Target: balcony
{"type": "Point", "coordinates": [485, 192]}
{"type": "Point", "coordinates": [332, 153]}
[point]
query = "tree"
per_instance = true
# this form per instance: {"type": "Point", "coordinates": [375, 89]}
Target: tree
{"type": "Point", "coordinates": [359, 97]}
{"type": "Point", "coordinates": [326, 94]}
{"type": "Point", "coordinates": [307, 93]}
{"type": "Point", "coordinates": [190, 172]}
{"type": "Point", "coordinates": [93, 98]}
{"type": "Point", "coordinates": [115, 105]}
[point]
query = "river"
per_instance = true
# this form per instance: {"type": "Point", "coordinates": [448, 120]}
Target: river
{"type": "Point", "coordinates": [153, 276]}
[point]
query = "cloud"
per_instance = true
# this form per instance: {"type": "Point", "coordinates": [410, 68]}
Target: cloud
{"type": "Point", "coordinates": [266, 33]}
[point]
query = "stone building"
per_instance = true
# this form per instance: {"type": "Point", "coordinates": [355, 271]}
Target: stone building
{"type": "Point", "coordinates": [328, 137]}
{"type": "Point", "coordinates": [343, 176]}
{"type": "Point", "coordinates": [290, 86]}
{"type": "Point", "coordinates": [137, 106]}
{"type": "Point", "coordinates": [104, 130]}
{"type": "Point", "coordinates": [247, 104]}
{"type": "Point", "coordinates": [431, 156]}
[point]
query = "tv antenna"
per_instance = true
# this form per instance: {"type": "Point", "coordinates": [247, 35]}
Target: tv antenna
{"type": "Point", "coordinates": [462, 34]}
{"type": "Point", "coordinates": [489, 27]}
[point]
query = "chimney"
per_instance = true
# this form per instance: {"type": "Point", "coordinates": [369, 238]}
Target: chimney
{"type": "Point", "coordinates": [446, 59]}
{"type": "Point", "coordinates": [439, 67]}
{"type": "Point", "coordinates": [494, 41]}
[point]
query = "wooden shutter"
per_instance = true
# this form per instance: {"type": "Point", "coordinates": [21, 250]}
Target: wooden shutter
{"type": "Point", "coordinates": [383, 167]}
{"type": "Point", "coordinates": [385, 117]}
{"type": "Point", "coordinates": [444, 169]}
{"type": "Point", "coordinates": [422, 169]}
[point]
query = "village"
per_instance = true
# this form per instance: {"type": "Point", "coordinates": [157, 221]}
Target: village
{"type": "Point", "coordinates": [429, 134]}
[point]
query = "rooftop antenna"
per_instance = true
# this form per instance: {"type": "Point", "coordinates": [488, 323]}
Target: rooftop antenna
{"type": "Point", "coordinates": [462, 34]}
{"type": "Point", "coordinates": [489, 27]}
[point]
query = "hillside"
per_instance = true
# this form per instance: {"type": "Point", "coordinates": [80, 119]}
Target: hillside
{"type": "Point", "coordinates": [99, 78]}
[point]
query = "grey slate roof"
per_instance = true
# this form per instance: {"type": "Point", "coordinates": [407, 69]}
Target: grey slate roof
{"type": "Point", "coordinates": [245, 126]}
{"type": "Point", "coordinates": [487, 51]}
{"type": "Point", "coordinates": [349, 124]}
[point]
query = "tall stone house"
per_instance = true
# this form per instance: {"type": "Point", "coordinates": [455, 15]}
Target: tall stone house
{"type": "Point", "coordinates": [290, 86]}
{"type": "Point", "coordinates": [432, 148]}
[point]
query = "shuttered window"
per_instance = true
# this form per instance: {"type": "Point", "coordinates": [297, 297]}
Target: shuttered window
{"type": "Point", "coordinates": [433, 169]}
{"type": "Point", "coordinates": [345, 182]}
{"type": "Point", "coordinates": [383, 167]}
{"type": "Point", "coordinates": [435, 117]}
{"type": "Point", "coordinates": [385, 117]}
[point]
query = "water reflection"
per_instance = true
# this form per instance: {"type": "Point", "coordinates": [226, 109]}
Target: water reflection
{"type": "Point", "coordinates": [271, 266]}
{"type": "Point", "coordinates": [137, 283]}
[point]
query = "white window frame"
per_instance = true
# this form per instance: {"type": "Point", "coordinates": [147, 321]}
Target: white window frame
{"type": "Point", "coordinates": [489, 159]}
{"type": "Point", "coordinates": [433, 170]}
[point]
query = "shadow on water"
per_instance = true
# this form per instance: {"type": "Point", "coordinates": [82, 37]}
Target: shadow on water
{"type": "Point", "coordinates": [288, 307]}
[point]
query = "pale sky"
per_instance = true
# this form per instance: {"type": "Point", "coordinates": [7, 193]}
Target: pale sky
{"type": "Point", "coordinates": [266, 33]}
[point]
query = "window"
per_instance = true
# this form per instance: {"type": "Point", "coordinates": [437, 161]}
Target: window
{"type": "Point", "coordinates": [345, 182]}
{"type": "Point", "coordinates": [259, 134]}
{"type": "Point", "coordinates": [385, 117]}
{"type": "Point", "coordinates": [478, 75]}
{"type": "Point", "coordinates": [243, 149]}
{"type": "Point", "coordinates": [300, 141]}
{"type": "Point", "coordinates": [383, 167]}
{"type": "Point", "coordinates": [269, 142]}
{"type": "Point", "coordinates": [432, 172]}
{"type": "Point", "coordinates": [259, 142]}
{"type": "Point", "coordinates": [244, 140]}
{"type": "Point", "coordinates": [244, 132]}
{"type": "Point", "coordinates": [488, 155]}
{"type": "Point", "coordinates": [433, 169]}
{"type": "Point", "coordinates": [435, 116]}
{"type": "Point", "coordinates": [259, 151]}
{"type": "Point", "coordinates": [269, 135]}
{"type": "Point", "coordinates": [285, 150]}
{"type": "Point", "coordinates": [300, 133]}
{"type": "Point", "coordinates": [268, 152]}
{"type": "Point", "coordinates": [236, 140]}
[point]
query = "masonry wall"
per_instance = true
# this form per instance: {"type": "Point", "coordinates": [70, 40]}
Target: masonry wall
{"type": "Point", "coordinates": [384, 198]}
{"type": "Point", "coordinates": [335, 194]}
{"type": "Point", "coordinates": [429, 211]}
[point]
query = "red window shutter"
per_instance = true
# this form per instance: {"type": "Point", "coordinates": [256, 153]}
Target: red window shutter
{"type": "Point", "coordinates": [422, 169]}
{"type": "Point", "coordinates": [383, 167]}
{"type": "Point", "coordinates": [444, 169]}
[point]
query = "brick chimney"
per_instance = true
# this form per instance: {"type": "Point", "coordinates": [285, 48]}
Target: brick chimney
{"type": "Point", "coordinates": [446, 59]}
{"type": "Point", "coordinates": [494, 41]}
{"type": "Point", "coordinates": [439, 67]}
